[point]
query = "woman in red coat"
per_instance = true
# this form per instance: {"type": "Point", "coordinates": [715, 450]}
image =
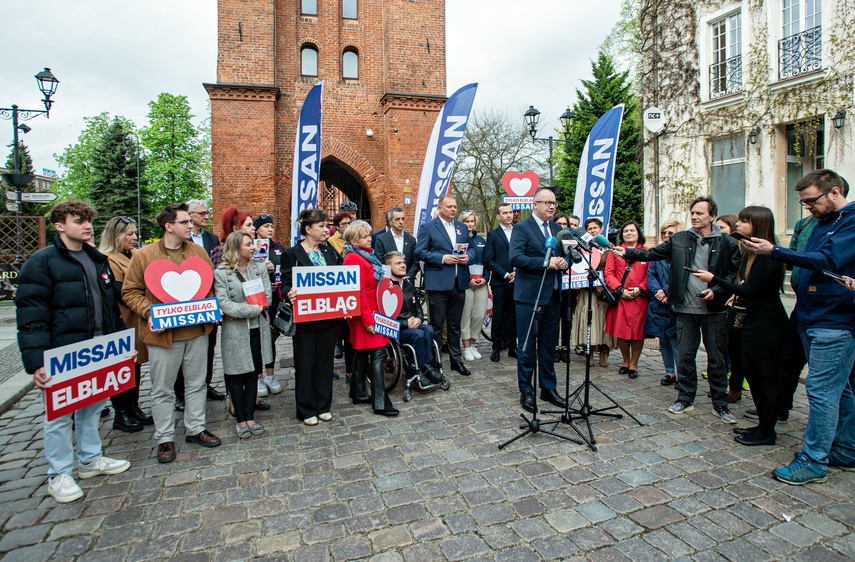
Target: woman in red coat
{"type": "Point", "coordinates": [370, 347]}
{"type": "Point", "coordinates": [625, 321]}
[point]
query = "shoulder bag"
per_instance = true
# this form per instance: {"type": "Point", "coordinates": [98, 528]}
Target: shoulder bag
{"type": "Point", "coordinates": [610, 297]}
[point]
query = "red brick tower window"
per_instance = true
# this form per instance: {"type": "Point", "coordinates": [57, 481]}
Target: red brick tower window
{"type": "Point", "coordinates": [350, 64]}
{"type": "Point", "coordinates": [348, 9]}
{"type": "Point", "coordinates": [309, 7]}
{"type": "Point", "coordinates": [309, 60]}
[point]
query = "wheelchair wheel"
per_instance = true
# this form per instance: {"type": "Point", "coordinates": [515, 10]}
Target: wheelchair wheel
{"type": "Point", "coordinates": [486, 327]}
{"type": "Point", "coordinates": [392, 367]}
{"type": "Point", "coordinates": [408, 395]}
{"type": "Point", "coordinates": [445, 384]}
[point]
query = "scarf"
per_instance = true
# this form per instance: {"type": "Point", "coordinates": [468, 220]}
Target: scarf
{"type": "Point", "coordinates": [370, 258]}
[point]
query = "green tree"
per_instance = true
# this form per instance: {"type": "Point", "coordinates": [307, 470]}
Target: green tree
{"type": "Point", "coordinates": [492, 145]}
{"type": "Point", "coordinates": [608, 89]}
{"type": "Point", "coordinates": [23, 156]}
{"type": "Point", "coordinates": [175, 152]}
{"type": "Point", "coordinates": [113, 187]}
{"type": "Point", "coordinates": [76, 173]}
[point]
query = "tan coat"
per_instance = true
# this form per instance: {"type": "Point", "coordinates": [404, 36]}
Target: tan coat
{"type": "Point", "coordinates": [137, 296]}
{"type": "Point", "coordinates": [120, 263]}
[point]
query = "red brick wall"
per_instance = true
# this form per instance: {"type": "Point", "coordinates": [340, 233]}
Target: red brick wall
{"type": "Point", "coordinates": [253, 140]}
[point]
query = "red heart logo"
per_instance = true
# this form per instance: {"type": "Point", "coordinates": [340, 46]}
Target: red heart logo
{"type": "Point", "coordinates": [520, 184]}
{"type": "Point", "coordinates": [390, 298]}
{"type": "Point", "coordinates": [189, 281]}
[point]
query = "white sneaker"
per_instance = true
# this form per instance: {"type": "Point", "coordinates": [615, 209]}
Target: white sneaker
{"type": "Point", "coordinates": [474, 352]}
{"type": "Point", "coordinates": [273, 384]}
{"type": "Point", "coordinates": [103, 465]}
{"type": "Point", "coordinates": [467, 354]}
{"type": "Point", "coordinates": [64, 489]}
{"type": "Point", "coordinates": [262, 389]}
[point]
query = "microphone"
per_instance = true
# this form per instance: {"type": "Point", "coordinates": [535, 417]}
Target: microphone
{"type": "Point", "coordinates": [602, 242]}
{"type": "Point", "coordinates": [567, 243]}
{"type": "Point", "coordinates": [575, 256]}
{"type": "Point", "coordinates": [583, 238]}
{"type": "Point", "coordinates": [550, 244]}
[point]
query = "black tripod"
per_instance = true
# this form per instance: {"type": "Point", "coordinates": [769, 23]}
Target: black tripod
{"type": "Point", "coordinates": [582, 394]}
{"type": "Point", "coordinates": [534, 425]}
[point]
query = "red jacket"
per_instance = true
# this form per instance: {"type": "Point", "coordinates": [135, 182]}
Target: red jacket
{"type": "Point", "coordinates": [360, 338]}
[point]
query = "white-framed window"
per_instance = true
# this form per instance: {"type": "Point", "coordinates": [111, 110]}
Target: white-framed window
{"type": "Point", "coordinates": [348, 9]}
{"type": "Point", "coordinates": [800, 46]}
{"type": "Point", "coordinates": [727, 173]}
{"type": "Point", "coordinates": [309, 7]}
{"type": "Point", "coordinates": [350, 65]}
{"type": "Point", "coordinates": [309, 61]}
{"type": "Point", "coordinates": [726, 68]}
{"type": "Point", "coordinates": [805, 153]}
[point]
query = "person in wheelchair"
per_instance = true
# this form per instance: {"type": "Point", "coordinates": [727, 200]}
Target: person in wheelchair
{"type": "Point", "coordinates": [414, 330]}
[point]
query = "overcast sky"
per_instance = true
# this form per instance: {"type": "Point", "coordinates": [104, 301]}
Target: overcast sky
{"type": "Point", "coordinates": [117, 55]}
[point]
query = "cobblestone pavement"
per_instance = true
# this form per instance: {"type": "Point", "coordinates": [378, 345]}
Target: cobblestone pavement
{"type": "Point", "coordinates": [432, 484]}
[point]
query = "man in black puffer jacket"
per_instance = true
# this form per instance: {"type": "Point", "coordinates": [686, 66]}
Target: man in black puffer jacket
{"type": "Point", "coordinates": [699, 309]}
{"type": "Point", "coordinates": [64, 297]}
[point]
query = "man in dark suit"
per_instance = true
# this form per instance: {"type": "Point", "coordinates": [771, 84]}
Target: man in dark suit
{"type": "Point", "coordinates": [498, 261]}
{"type": "Point", "coordinates": [396, 239]}
{"type": "Point", "coordinates": [528, 252]}
{"type": "Point", "coordinates": [446, 274]}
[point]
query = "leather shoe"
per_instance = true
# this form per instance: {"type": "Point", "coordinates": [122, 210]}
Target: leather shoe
{"type": "Point", "coordinates": [745, 430]}
{"type": "Point", "coordinates": [434, 373]}
{"type": "Point", "coordinates": [512, 351]}
{"type": "Point", "coordinates": [123, 421]}
{"type": "Point", "coordinates": [461, 368]}
{"type": "Point", "coordinates": [179, 405]}
{"type": "Point", "coordinates": [561, 355]}
{"type": "Point", "coordinates": [552, 397]}
{"type": "Point", "coordinates": [527, 402]}
{"type": "Point", "coordinates": [262, 405]}
{"type": "Point", "coordinates": [754, 439]}
{"type": "Point", "coordinates": [215, 394]}
{"type": "Point", "coordinates": [204, 438]}
{"type": "Point", "coordinates": [495, 356]}
{"type": "Point", "coordinates": [141, 416]}
{"type": "Point", "coordinates": [166, 452]}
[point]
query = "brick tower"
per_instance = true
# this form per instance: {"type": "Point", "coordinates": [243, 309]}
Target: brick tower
{"type": "Point", "coordinates": [383, 67]}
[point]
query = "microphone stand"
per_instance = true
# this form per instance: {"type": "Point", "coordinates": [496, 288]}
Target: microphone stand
{"type": "Point", "coordinates": [582, 394]}
{"type": "Point", "coordinates": [534, 425]}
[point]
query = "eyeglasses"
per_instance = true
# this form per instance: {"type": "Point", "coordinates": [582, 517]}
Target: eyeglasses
{"type": "Point", "coordinates": [547, 203]}
{"type": "Point", "coordinates": [812, 201]}
{"type": "Point", "coordinates": [202, 213]}
{"type": "Point", "coordinates": [344, 224]}
{"type": "Point", "coordinates": [127, 220]}
{"type": "Point", "coordinates": [668, 233]}
{"type": "Point", "coordinates": [265, 217]}
{"type": "Point", "coordinates": [186, 222]}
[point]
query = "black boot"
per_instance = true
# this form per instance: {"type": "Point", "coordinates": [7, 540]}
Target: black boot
{"type": "Point", "coordinates": [358, 388]}
{"type": "Point", "coordinates": [382, 404]}
{"type": "Point", "coordinates": [141, 416]}
{"type": "Point", "coordinates": [424, 378]}
{"type": "Point", "coordinates": [434, 372]}
{"type": "Point", "coordinates": [123, 421]}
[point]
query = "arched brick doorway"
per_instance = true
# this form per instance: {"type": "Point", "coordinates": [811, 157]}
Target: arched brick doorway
{"type": "Point", "coordinates": [337, 185]}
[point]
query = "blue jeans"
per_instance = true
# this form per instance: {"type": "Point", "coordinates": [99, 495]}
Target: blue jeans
{"type": "Point", "coordinates": [670, 350]}
{"type": "Point", "coordinates": [422, 341]}
{"type": "Point", "coordinates": [59, 449]}
{"type": "Point", "coordinates": [831, 422]}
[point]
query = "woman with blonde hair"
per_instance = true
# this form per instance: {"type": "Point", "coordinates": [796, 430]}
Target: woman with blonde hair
{"type": "Point", "coordinates": [118, 243]}
{"type": "Point", "coordinates": [660, 321]}
{"type": "Point", "coordinates": [245, 338]}
{"type": "Point", "coordinates": [475, 302]}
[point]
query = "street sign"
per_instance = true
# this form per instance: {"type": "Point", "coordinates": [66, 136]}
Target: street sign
{"type": "Point", "coordinates": [10, 195]}
{"type": "Point", "coordinates": [44, 197]}
{"type": "Point", "coordinates": [12, 207]}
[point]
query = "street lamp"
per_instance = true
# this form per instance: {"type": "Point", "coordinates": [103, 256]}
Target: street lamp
{"type": "Point", "coordinates": [136, 145]}
{"type": "Point", "coordinates": [532, 117]}
{"type": "Point", "coordinates": [47, 85]}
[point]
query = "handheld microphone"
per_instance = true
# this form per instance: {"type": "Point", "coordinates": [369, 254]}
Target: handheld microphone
{"type": "Point", "coordinates": [550, 244]}
{"type": "Point", "coordinates": [602, 242]}
{"type": "Point", "coordinates": [565, 237]}
{"type": "Point", "coordinates": [575, 256]}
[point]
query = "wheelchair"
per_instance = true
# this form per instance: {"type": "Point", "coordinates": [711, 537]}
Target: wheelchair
{"type": "Point", "coordinates": [401, 359]}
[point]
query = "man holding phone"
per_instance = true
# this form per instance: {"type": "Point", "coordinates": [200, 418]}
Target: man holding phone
{"type": "Point", "coordinates": [825, 314]}
{"type": "Point", "coordinates": [699, 309]}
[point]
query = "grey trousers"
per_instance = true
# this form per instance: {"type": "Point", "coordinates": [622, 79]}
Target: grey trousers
{"type": "Point", "coordinates": [713, 329]}
{"type": "Point", "coordinates": [191, 356]}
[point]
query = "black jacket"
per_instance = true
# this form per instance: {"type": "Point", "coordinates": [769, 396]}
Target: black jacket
{"type": "Point", "coordinates": [55, 305]}
{"type": "Point", "coordinates": [385, 243]}
{"type": "Point", "coordinates": [296, 256]}
{"type": "Point", "coordinates": [680, 249]}
{"type": "Point", "coordinates": [410, 307]}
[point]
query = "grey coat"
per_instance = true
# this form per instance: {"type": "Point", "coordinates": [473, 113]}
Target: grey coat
{"type": "Point", "coordinates": [234, 334]}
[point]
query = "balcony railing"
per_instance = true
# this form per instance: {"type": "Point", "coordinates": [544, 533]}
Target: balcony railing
{"type": "Point", "coordinates": [800, 53]}
{"type": "Point", "coordinates": [726, 77]}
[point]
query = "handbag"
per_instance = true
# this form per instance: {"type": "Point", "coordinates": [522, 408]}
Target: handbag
{"type": "Point", "coordinates": [283, 321]}
{"type": "Point", "coordinates": [736, 315]}
{"type": "Point", "coordinates": [608, 296]}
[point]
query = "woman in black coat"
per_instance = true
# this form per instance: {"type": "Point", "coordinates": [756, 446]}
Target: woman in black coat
{"type": "Point", "coordinates": [314, 342]}
{"type": "Point", "coordinates": [764, 330]}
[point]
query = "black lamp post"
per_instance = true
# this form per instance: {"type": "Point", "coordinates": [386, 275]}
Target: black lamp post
{"type": "Point", "coordinates": [532, 117]}
{"type": "Point", "coordinates": [136, 146]}
{"type": "Point", "coordinates": [47, 86]}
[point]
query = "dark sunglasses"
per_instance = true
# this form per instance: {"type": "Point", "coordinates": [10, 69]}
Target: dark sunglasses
{"type": "Point", "coordinates": [127, 220]}
{"type": "Point", "coordinates": [266, 217]}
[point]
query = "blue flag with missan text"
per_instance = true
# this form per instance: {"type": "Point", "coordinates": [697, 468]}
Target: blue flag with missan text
{"type": "Point", "coordinates": [307, 159]}
{"type": "Point", "coordinates": [441, 155]}
{"type": "Point", "coordinates": [595, 182]}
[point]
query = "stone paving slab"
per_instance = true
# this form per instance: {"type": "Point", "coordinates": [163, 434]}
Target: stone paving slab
{"type": "Point", "coordinates": [432, 484]}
